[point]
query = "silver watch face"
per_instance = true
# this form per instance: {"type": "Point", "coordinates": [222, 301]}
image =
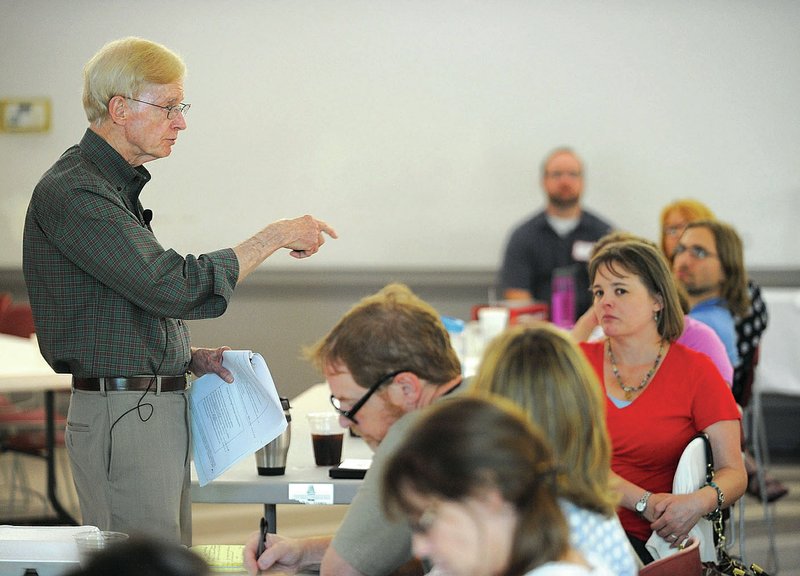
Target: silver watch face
{"type": "Point", "coordinates": [641, 505]}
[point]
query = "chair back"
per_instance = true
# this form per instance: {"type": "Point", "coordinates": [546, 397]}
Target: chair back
{"type": "Point", "coordinates": [686, 563]}
{"type": "Point", "coordinates": [5, 302]}
{"type": "Point", "coordinates": [17, 320]}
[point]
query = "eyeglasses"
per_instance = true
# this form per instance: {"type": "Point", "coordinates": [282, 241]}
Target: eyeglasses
{"type": "Point", "coordinates": [172, 111]}
{"type": "Point", "coordinates": [574, 174]}
{"type": "Point", "coordinates": [425, 521]}
{"type": "Point", "coordinates": [351, 414]}
{"type": "Point", "coordinates": [695, 251]}
{"type": "Point", "coordinates": [674, 230]}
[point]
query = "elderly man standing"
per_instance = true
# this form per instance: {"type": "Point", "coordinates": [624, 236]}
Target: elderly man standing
{"type": "Point", "coordinates": [386, 359]}
{"type": "Point", "coordinates": [559, 237]}
{"type": "Point", "coordinates": [109, 301]}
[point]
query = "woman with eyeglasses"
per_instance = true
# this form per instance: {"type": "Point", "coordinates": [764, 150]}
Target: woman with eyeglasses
{"type": "Point", "coordinates": [543, 372]}
{"type": "Point", "coordinates": [476, 480]}
{"type": "Point", "coordinates": [674, 218]}
{"type": "Point", "coordinates": [659, 395]}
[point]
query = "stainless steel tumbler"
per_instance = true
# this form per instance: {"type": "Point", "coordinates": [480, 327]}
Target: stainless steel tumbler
{"type": "Point", "coordinates": [271, 459]}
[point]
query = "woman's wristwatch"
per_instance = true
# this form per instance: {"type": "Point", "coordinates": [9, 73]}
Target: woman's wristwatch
{"type": "Point", "coordinates": [641, 505]}
{"type": "Point", "coordinates": [720, 500]}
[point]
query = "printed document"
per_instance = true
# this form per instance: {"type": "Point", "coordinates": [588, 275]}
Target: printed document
{"type": "Point", "coordinates": [231, 421]}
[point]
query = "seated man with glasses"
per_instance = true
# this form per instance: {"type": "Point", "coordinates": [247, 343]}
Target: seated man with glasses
{"type": "Point", "coordinates": [709, 263]}
{"type": "Point", "coordinates": [386, 359]}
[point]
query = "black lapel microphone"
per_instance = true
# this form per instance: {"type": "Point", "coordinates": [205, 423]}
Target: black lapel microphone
{"type": "Point", "coordinates": [147, 217]}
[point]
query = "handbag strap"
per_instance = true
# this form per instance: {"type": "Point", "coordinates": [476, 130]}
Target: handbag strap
{"type": "Point", "coordinates": [716, 521]}
{"type": "Point", "coordinates": [709, 455]}
{"type": "Point", "coordinates": [725, 564]}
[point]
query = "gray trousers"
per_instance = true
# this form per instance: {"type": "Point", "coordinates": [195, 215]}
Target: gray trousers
{"type": "Point", "coordinates": [133, 478]}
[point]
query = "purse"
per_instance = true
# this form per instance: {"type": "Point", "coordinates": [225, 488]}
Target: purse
{"type": "Point", "coordinates": [725, 565]}
{"type": "Point", "coordinates": [691, 474]}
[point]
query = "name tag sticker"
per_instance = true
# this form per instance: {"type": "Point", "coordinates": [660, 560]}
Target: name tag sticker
{"type": "Point", "coordinates": [311, 493]}
{"type": "Point", "coordinates": [582, 250]}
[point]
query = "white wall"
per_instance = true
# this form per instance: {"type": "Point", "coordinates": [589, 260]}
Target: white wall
{"type": "Point", "coordinates": [416, 127]}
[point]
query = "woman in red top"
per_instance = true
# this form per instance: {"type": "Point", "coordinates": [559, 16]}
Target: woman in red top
{"type": "Point", "coordinates": [659, 394]}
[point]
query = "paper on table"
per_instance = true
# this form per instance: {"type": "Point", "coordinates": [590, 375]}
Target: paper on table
{"type": "Point", "coordinates": [222, 557]}
{"type": "Point", "coordinates": [231, 421]}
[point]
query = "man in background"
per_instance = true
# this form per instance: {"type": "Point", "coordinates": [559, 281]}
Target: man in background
{"type": "Point", "coordinates": [386, 359]}
{"type": "Point", "coordinates": [709, 263]}
{"type": "Point", "coordinates": [109, 302]}
{"type": "Point", "coordinates": [560, 237]}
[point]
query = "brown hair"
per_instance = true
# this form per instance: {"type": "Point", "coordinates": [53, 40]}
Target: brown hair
{"type": "Point", "coordinates": [467, 444]}
{"type": "Point", "coordinates": [731, 257]}
{"type": "Point", "coordinates": [618, 236]}
{"type": "Point", "coordinates": [646, 262]}
{"type": "Point", "coordinates": [391, 330]}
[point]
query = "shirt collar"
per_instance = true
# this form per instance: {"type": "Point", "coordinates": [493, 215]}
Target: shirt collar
{"type": "Point", "coordinates": [125, 179]}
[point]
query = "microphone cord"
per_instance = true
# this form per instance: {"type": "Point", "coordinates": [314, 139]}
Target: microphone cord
{"type": "Point", "coordinates": [143, 407]}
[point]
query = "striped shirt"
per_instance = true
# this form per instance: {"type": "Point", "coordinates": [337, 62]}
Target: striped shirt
{"type": "Point", "coordinates": [107, 298]}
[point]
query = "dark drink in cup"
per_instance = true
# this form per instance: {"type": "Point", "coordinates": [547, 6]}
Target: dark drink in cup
{"type": "Point", "coordinates": [326, 436]}
{"type": "Point", "coordinates": [327, 449]}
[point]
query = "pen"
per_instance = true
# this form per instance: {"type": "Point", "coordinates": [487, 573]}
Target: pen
{"type": "Point", "coordinates": [262, 542]}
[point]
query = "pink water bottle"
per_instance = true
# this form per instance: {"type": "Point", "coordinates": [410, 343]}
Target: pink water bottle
{"type": "Point", "coordinates": [562, 298]}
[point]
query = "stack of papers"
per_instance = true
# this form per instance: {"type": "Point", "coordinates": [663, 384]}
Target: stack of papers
{"type": "Point", "coordinates": [222, 558]}
{"type": "Point", "coordinates": [231, 421]}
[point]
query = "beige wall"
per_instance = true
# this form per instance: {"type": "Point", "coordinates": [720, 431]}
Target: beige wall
{"type": "Point", "coordinates": [277, 313]}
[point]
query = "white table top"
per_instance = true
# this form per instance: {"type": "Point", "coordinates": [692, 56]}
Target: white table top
{"type": "Point", "coordinates": [22, 368]}
{"type": "Point", "coordinates": [779, 362]}
{"type": "Point", "coordinates": [242, 484]}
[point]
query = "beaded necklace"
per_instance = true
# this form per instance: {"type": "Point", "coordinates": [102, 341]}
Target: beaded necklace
{"type": "Point", "coordinates": [631, 390]}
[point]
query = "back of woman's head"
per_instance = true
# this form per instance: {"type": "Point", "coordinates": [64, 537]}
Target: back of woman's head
{"type": "Point", "coordinates": [543, 372]}
{"type": "Point", "coordinates": [465, 445]}
{"type": "Point", "coordinates": [142, 556]}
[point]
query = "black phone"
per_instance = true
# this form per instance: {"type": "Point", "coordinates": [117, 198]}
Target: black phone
{"type": "Point", "coordinates": [350, 469]}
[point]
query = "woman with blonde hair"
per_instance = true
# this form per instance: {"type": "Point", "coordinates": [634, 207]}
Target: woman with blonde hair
{"type": "Point", "coordinates": [674, 219]}
{"type": "Point", "coordinates": [541, 370]}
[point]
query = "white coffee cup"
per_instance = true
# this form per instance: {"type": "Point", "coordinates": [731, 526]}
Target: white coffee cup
{"type": "Point", "coordinates": [492, 320]}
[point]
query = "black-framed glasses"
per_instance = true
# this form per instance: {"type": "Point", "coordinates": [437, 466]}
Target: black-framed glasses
{"type": "Point", "coordinates": [172, 111]}
{"type": "Point", "coordinates": [351, 413]}
{"type": "Point", "coordinates": [695, 251]}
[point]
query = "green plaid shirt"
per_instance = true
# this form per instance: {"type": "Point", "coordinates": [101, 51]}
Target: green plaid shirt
{"type": "Point", "coordinates": [107, 299]}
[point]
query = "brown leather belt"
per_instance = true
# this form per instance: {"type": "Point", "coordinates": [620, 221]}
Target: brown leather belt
{"type": "Point", "coordinates": [133, 383]}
